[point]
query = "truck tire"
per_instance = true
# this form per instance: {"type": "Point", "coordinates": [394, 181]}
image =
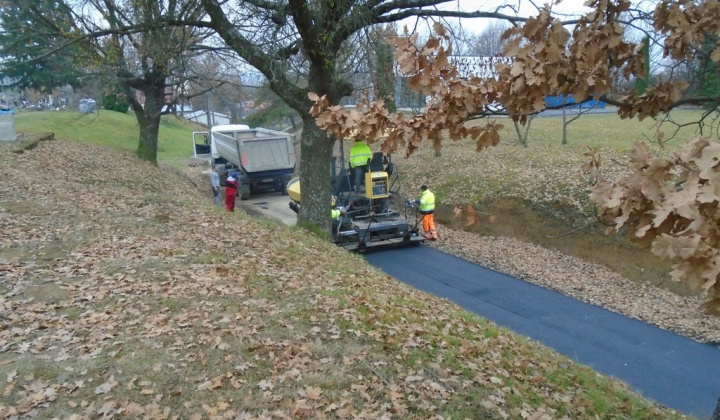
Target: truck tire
{"type": "Point", "coordinates": [281, 187]}
{"type": "Point", "coordinates": [244, 192]}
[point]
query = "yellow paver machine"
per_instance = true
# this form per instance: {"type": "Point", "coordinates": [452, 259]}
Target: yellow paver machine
{"type": "Point", "coordinates": [371, 216]}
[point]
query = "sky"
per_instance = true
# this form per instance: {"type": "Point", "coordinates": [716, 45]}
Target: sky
{"type": "Point", "coordinates": [526, 8]}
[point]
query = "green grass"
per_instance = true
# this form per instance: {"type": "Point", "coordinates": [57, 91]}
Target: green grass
{"type": "Point", "coordinates": [610, 131]}
{"type": "Point", "coordinates": [110, 129]}
{"type": "Point", "coordinates": [545, 171]}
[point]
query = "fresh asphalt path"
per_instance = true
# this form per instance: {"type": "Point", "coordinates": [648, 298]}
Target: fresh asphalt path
{"type": "Point", "coordinates": [673, 370]}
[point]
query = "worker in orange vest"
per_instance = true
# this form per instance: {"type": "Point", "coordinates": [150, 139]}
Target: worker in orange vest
{"type": "Point", "coordinates": [426, 204]}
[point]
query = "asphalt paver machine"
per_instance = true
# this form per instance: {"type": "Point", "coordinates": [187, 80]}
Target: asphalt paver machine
{"type": "Point", "coordinates": [372, 217]}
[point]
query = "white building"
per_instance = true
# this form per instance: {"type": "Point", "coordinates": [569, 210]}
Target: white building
{"type": "Point", "coordinates": [201, 117]}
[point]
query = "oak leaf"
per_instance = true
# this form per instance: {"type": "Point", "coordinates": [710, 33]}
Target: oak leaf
{"type": "Point", "coordinates": [106, 387]}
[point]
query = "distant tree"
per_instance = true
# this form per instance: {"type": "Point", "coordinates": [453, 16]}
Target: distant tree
{"type": "Point", "coordinates": [124, 43]}
{"type": "Point", "coordinates": [383, 65]}
{"type": "Point", "coordinates": [463, 40]}
{"type": "Point", "coordinates": [642, 82]}
{"type": "Point", "coordinates": [488, 43]}
{"type": "Point", "coordinates": [274, 110]}
{"type": "Point", "coordinates": [29, 54]}
{"type": "Point", "coordinates": [707, 72]}
{"type": "Point", "coordinates": [114, 100]}
{"type": "Point", "coordinates": [569, 119]}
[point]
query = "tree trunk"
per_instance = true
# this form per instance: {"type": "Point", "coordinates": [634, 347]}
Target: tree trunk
{"type": "Point", "coordinates": [235, 114]}
{"type": "Point", "coordinates": [316, 153]}
{"type": "Point", "coordinates": [210, 121]}
{"type": "Point", "coordinates": [527, 130]}
{"type": "Point", "coordinates": [519, 133]}
{"type": "Point", "coordinates": [148, 145]}
{"type": "Point", "coordinates": [716, 413]}
{"type": "Point", "coordinates": [148, 117]}
{"type": "Point", "coordinates": [565, 124]}
{"type": "Point", "coordinates": [522, 137]}
{"type": "Point", "coordinates": [316, 147]}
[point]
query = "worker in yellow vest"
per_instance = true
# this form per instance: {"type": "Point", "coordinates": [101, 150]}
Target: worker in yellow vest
{"type": "Point", "coordinates": [360, 155]}
{"type": "Point", "coordinates": [426, 204]}
{"type": "Point", "coordinates": [335, 213]}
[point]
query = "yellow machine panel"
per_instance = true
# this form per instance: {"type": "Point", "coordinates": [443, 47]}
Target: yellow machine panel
{"type": "Point", "coordinates": [293, 189]}
{"type": "Point", "coordinates": [376, 185]}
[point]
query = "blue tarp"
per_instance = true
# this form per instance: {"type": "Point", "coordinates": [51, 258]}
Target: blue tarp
{"type": "Point", "coordinates": [559, 100]}
{"type": "Point", "coordinates": [6, 111]}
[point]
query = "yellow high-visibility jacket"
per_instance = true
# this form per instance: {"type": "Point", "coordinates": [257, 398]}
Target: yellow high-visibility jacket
{"type": "Point", "coordinates": [360, 154]}
{"type": "Point", "coordinates": [427, 202]}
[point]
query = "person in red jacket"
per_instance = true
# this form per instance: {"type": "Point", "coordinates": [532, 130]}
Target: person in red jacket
{"type": "Point", "coordinates": [231, 187]}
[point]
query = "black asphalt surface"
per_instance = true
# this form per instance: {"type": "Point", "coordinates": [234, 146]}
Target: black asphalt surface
{"type": "Point", "coordinates": [673, 370]}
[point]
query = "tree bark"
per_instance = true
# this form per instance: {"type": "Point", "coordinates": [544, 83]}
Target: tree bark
{"type": "Point", "coordinates": [716, 413]}
{"type": "Point", "coordinates": [522, 137]}
{"type": "Point", "coordinates": [518, 132]}
{"type": "Point", "coordinates": [565, 124]}
{"type": "Point", "coordinates": [148, 117]}
{"type": "Point", "coordinates": [148, 145]}
{"type": "Point", "coordinates": [316, 153]}
{"type": "Point", "coordinates": [527, 130]}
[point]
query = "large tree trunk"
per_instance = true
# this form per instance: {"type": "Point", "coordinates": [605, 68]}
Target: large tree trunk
{"type": "Point", "coordinates": [148, 145]}
{"type": "Point", "coordinates": [315, 156]}
{"type": "Point", "coordinates": [316, 148]}
{"type": "Point", "coordinates": [148, 118]}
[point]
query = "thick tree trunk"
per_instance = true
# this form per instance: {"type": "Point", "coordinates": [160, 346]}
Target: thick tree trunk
{"type": "Point", "coordinates": [148, 117]}
{"type": "Point", "coordinates": [316, 153]}
{"type": "Point", "coordinates": [148, 145]}
{"type": "Point", "coordinates": [316, 148]}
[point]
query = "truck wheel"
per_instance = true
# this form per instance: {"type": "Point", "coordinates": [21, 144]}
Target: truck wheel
{"type": "Point", "coordinates": [282, 188]}
{"type": "Point", "coordinates": [244, 192]}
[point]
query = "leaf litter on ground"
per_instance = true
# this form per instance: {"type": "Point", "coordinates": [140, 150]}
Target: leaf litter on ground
{"type": "Point", "coordinates": [127, 294]}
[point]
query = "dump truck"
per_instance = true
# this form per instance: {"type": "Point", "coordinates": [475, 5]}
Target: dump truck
{"type": "Point", "coordinates": [264, 159]}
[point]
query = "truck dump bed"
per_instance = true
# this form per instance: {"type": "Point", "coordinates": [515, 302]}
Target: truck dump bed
{"type": "Point", "coordinates": [255, 150]}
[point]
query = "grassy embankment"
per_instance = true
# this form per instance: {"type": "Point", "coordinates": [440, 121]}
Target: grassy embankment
{"type": "Point", "coordinates": [127, 295]}
{"type": "Point", "coordinates": [539, 193]}
{"type": "Point", "coordinates": [544, 172]}
{"type": "Point", "coordinates": [111, 129]}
